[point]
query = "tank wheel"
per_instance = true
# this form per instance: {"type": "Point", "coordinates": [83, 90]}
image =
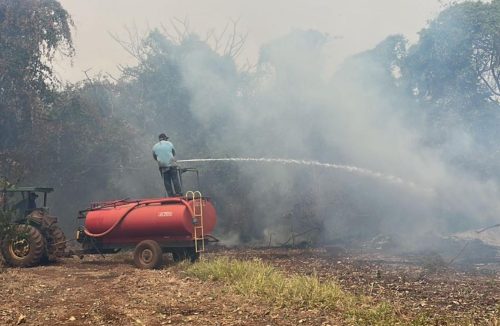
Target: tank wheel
{"type": "Point", "coordinates": [148, 255]}
{"type": "Point", "coordinates": [56, 243]}
{"type": "Point", "coordinates": [25, 248]}
{"type": "Point", "coordinates": [188, 253]}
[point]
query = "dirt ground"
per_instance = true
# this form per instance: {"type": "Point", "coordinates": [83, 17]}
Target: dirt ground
{"type": "Point", "coordinates": [111, 291]}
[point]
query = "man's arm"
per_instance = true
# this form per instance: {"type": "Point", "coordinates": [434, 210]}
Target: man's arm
{"type": "Point", "coordinates": [154, 154]}
{"type": "Point", "coordinates": [173, 151]}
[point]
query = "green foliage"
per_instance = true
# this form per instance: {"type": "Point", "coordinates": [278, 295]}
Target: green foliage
{"type": "Point", "coordinates": [5, 219]}
{"type": "Point", "coordinates": [7, 216]}
{"type": "Point", "coordinates": [31, 32]}
{"type": "Point", "coordinates": [457, 59]}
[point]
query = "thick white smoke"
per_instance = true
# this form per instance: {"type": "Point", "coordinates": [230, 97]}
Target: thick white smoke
{"type": "Point", "coordinates": [298, 109]}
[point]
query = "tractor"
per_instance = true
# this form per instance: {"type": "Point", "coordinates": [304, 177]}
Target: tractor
{"type": "Point", "coordinates": [33, 237]}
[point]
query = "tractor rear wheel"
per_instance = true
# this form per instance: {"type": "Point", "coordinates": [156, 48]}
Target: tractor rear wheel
{"type": "Point", "coordinates": [148, 255]}
{"type": "Point", "coordinates": [25, 247]}
{"type": "Point", "coordinates": [56, 243]}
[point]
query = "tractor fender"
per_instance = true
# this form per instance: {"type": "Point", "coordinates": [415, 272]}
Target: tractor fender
{"type": "Point", "coordinates": [41, 218]}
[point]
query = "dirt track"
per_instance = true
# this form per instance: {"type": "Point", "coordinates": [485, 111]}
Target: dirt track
{"type": "Point", "coordinates": [112, 292]}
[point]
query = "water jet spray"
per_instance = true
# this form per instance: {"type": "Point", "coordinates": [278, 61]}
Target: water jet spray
{"type": "Point", "coordinates": [348, 168]}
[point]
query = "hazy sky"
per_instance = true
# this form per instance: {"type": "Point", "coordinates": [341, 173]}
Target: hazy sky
{"type": "Point", "coordinates": [356, 24]}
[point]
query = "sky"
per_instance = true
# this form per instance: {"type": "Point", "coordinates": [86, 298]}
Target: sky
{"type": "Point", "coordinates": [354, 25]}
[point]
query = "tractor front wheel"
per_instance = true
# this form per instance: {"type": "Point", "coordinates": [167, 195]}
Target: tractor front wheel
{"type": "Point", "coordinates": [25, 247]}
{"type": "Point", "coordinates": [148, 255]}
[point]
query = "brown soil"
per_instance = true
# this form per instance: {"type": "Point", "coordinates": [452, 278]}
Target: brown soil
{"type": "Point", "coordinates": [111, 291]}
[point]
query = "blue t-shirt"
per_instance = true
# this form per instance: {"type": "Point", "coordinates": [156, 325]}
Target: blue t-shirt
{"type": "Point", "coordinates": [164, 151]}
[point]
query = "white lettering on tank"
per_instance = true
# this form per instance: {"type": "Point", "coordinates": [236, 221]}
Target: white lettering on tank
{"type": "Point", "coordinates": [165, 214]}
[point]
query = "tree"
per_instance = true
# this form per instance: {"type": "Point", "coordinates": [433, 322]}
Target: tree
{"type": "Point", "coordinates": [457, 58]}
{"type": "Point", "coordinates": [183, 85]}
{"type": "Point", "coordinates": [31, 31]}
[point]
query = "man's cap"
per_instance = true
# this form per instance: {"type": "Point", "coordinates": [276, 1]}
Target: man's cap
{"type": "Point", "coordinates": [163, 136]}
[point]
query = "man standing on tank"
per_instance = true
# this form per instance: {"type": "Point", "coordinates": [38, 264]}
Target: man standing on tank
{"type": "Point", "coordinates": [164, 154]}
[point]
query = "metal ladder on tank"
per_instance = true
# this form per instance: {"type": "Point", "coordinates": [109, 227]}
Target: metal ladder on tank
{"type": "Point", "coordinates": [198, 232]}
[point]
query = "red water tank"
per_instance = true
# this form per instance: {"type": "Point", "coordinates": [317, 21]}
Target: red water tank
{"type": "Point", "coordinates": [166, 220]}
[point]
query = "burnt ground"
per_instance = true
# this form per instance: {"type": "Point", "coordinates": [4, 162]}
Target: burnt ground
{"type": "Point", "coordinates": [111, 291]}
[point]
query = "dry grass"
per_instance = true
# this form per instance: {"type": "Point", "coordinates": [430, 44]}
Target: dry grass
{"type": "Point", "coordinates": [261, 280]}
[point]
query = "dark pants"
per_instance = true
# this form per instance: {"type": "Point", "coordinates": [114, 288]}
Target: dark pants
{"type": "Point", "coordinates": [170, 177]}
